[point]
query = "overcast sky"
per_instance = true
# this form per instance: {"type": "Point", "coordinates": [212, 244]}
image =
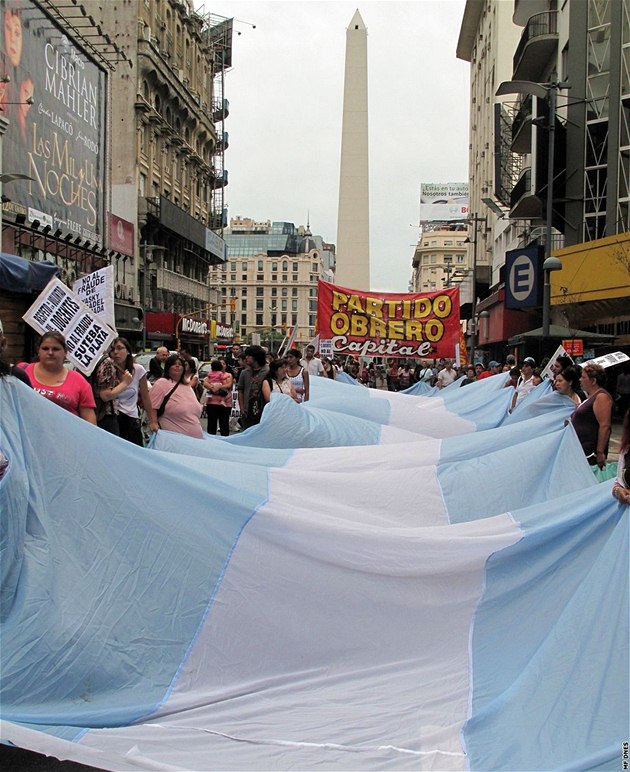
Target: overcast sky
{"type": "Point", "coordinates": [285, 90]}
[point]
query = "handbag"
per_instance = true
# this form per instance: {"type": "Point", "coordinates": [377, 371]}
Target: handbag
{"type": "Point", "coordinates": [162, 407]}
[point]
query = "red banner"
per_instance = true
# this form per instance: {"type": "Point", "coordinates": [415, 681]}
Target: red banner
{"type": "Point", "coordinates": [389, 324]}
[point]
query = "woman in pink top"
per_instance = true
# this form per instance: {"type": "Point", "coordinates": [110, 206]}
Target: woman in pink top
{"type": "Point", "coordinates": [65, 388]}
{"type": "Point", "coordinates": [182, 410]}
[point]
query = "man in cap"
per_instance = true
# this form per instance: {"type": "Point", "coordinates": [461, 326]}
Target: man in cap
{"type": "Point", "coordinates": [493, 368]}
{"type": "Point", "coordinates": [526, 381]}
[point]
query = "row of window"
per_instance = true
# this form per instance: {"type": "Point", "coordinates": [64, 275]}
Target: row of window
{"type": "Point", "coordinates": [260, 266]}
{"type": "Point", "coordinates": [433, 259]}
{"type": "Point", "coordinates": [260, 292]}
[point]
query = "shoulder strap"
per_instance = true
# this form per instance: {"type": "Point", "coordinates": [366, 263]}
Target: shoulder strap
{"type": "Point", "coordinates": [162, 407]}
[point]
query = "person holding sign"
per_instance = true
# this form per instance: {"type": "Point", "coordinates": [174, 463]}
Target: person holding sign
{"type": "Point", "coordinates": [65, 388]}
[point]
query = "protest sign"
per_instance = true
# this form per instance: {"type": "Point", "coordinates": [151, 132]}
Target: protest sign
{"type": "Point", "coordinates": [96, 290]}
{"type": "Point", "coordinates": [389, 324]}
{"type": "Point", "coordinates": [58, 308]}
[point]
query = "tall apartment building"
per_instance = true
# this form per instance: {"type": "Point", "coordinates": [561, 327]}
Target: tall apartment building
{"type": "Point", "coordinates": [167, 121]}
{"type": "Point", "coordinates": [583, 45]}
{"type": "Point", "coordinates": [440, 258]}
{"type": "Point", "coordinates": [269, 283]}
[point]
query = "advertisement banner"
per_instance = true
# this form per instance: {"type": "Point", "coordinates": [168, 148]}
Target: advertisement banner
{"type": "Point", "coordinates": [443, 202]}
{"type": "Point", "coordinates": [96, 290]}
{"type": "Point", "coordinates": [53, 96]}
{"type": "Point", "coordinates": [58, 308]}
{"type": "Point", "coordinates": [389, 324]}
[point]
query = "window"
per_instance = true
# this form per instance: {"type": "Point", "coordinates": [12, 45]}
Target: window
{"type": "Point", "coordinates": [461, 258]}
{"type": "Point", "coordinates": [294, 305]}
{"type": "Point", "coordinates": [243, 319]}
{"type": "Point", "coordinates": [260, 277]}
{"type": "Point", "coordinates": [259, 305]}
{"type": "Point", "coordinates": [232, 277]}
{"type": "Point", "coordinates": [274, 292]}
{"type": "Point", "coordinates": [295, 267]}
{"type": "Point", "coordinates": [285, 265]}
{"type": "Point", "coordinates": [294, 319]}
{"type": "Point", "coordinates": [260, 291]}
{"type": "Point", "coordinates": [294, 292]}
{"type": "Point", "coordinates": [260, 265]}
{"type": "Point", "coordinates": [315, 267]}
{"type": "Point", "coordinates": [283, 305]}
{"type": "Point", "coordinates": [244, 277]}
{"type": "Point", "coordinates": [259, 320]}
{"type": "Point", "coordinates": [295, 277]}
{"type": "Point", "coordinates": [448, 243]}
{"type": "Point", "coordinates": [285, 292]}
{"type": "Point", "coordinates": [274, 277]}
{"type": "Point", "coordinates": [274, 266]}
{"type": "Point", "coordinates": [434, 258]}
{"type": "Point", "coordinates": [243, 292]}
{"type": "Point", "coordinates": [233, 265]}
{"type": "Point", "coordinates": [312, 293]}
{"type": "Point", "coordinates": [285, 277]}
{"type": "Point", "coordinates": [243, 304]}
{"type": "Point", "coordinates": [425, 259]}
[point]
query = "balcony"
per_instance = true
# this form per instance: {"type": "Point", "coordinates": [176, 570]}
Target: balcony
{"type": "Point", "coordinates": [220, 109]}
{"type": "Point", "coordinates": [524, 203]}
{"type": "Point", "coordinates": [522, 127]}
{"type": "Point", "coordinates": [538, 44]}
{"type": "Point", "coordinates": [182, 285]}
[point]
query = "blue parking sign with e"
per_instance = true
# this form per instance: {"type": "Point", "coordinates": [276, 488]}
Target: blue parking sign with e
{"type": "Point", "coordinates": [522, 277]}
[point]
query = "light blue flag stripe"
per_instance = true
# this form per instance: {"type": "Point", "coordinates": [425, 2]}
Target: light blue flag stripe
{"type": "Point", "coordinates": [549, 648]}
{"type": "Point", "coordinates": [155, 541]}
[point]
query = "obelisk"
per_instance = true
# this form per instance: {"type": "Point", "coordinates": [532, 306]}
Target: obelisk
{"type": "Point", "coordinates": [353, 218]}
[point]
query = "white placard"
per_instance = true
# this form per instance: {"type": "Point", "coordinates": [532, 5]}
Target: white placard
{"type": "Point", "coordinates": [608, 360]}
{"type": "Point", "coordinates": [58, 308]}
{"type": "Point", "coordinates": [96, 290]}
{"type": "Point", "coordinates": [559, 352]}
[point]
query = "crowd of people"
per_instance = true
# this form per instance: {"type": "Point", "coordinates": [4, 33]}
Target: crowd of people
{"type": "Point", "coordinates": [174, 397]}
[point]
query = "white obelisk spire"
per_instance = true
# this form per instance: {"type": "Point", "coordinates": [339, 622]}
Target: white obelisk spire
{"type": "Point", "coordinates": [353, 219]}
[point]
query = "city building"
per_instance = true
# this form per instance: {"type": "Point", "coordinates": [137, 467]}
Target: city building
{"type": "Point", "coordinates": [269, 284]}
{"type": "Point", "coordinates": [560, 136]}
{"type": "Point", "coordinates": [168, 113]}
{"type": "Point", "coordinates": [353, 220]}
{"type": "Point", "coordinates": [54, 76]}
{"type": "Point", "coordinates": [441, 258]}
{"type": "Point", "coordinates": [123, 161]}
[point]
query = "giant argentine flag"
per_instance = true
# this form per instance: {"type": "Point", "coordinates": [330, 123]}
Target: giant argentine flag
{"type": "Point", "coordinates": [366, 581]}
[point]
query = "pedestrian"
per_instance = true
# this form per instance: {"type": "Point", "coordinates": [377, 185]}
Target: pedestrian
{"type": "Point", "coordinates": [592, 420]}
{"type": "Point", "coordinates": [156, 364]}
{"type": "Point", "coordinates": [219, 398]}
{"type": "Point", "coordinates": [446, 376]}
{"type": "Point", "coordinates": [176, 405]}
{"type": "Point", "coordinates": [525, 382]}
{"type": "Point", "coordinates": [66, 388]}
{"type": "Point", "coordinates": [312, 363]}
{"type": "Point", "coordinates": [128, 414]}
{"type": "Point", "coordinates": [250, 398]}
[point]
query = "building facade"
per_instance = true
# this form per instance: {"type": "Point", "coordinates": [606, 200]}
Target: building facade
{"type": "Point", "coordinates": [168, 175]}
{"type": "Point", "coordinates": [576, 112]}
{"type": "Point", "coordinates": [269, 284]}
{"type": "Point", "coordinates": [441, 259]}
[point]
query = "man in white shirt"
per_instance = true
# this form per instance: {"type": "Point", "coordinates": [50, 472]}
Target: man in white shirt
{"type": "Point", "coordinates": [312, 363]}
{"type": "Point", "coordinates": [446, 376]}
{"type": "Point", "coordinates": [526, 381]}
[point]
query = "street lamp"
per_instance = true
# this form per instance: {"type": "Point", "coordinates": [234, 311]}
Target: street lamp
{"type": "Point", "coordinates": [474, 219]}
{"type": "Point", "coordinates": [550, 264]}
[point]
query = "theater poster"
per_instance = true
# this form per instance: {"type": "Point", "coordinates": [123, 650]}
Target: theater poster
{"type": "Point", "coordinates": [53, 96]}
{"type": "Point", "coordinates": [389, 324]}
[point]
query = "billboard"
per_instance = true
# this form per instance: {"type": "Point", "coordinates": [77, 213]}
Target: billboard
{"type": "Point", "coordinates": [53, 96]}
{"type": "Point", "coordinates": [388, 324]}
{"type": "Point", "coordinates": [443, 202]}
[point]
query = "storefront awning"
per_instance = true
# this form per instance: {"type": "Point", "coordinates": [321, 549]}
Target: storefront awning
{"type": "Point", "coordinates": [25, 276]}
